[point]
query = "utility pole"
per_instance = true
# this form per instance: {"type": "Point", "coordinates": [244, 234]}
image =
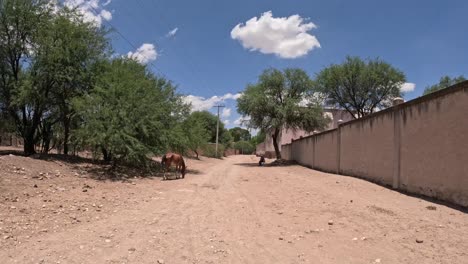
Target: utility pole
{"type": "Point", "coordinates": [217, 129]}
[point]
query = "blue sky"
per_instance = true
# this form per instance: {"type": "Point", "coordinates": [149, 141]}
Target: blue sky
{"type": "Point", "coordinates": [424, 39]}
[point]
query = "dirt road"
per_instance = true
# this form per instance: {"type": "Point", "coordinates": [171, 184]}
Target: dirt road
{"type": "Point", "coordinates": [232, 211]}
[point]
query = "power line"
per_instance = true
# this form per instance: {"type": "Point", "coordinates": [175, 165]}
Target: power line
{"type": "Point", "coordinates": [125, 38]}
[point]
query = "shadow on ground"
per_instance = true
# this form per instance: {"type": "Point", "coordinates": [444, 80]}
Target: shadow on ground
{"type": "Point", "coordinates": [100, 170]}
{"type": "Point", "coordinates": [276, 163]}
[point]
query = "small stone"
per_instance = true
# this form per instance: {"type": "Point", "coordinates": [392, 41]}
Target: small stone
{"type": "Point", "coordinates": [35, 186]}
{"type": "Point", "coordinates": [81, 247]}
{"type": "Point", "coordinates": [160, 261]}
{"type": "Point", "coordinates": [363, 238]}
{"type": "Point", "coordinates": [132, 249]}
{"type": "Point", "coordinates": [280, 238]}
{"type": "Point", "coordinates": [108, 240]}
{"type": "Point", "coordinates": [377, 261]}
{"type": "Point", "coordinates": [6, 237]}
{"type": "Point", "coordinates": [12, 207]}
{"type": "Point", "coordinates": [350, 201]}
{"type": "Point", "coordinates": [419, 241]}
{"type": "Point", "coordinates": [330, 222]}
{"type": "Point", "coordinates": [355, 239]}
{"type": "Point", "coordinates": [85, 190]}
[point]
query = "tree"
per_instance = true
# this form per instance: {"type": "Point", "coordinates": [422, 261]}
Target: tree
{"type": "Point", "coordinates": [259, 138]}
{"type": "Point", "coordinates": [196, 132]}
{"type": "Point", "coordinates": [68, 61]}
{"type": "Point", "coordinates": [239, 134]}
{"type": "Point", "coordinates": [281, 99]}
{"type": "Point", "coordinates": [209, 121]}
{"type": "Point", "coordinates": [244, 147]}
{"type": "Point", "coordinates": [360, 86]}
{"type": "Point", "coordinates": [130, 115]}
{"type": "Point", "coordinates": [22, 22]}
{"type": "Point", "coordinates": [445, 82]}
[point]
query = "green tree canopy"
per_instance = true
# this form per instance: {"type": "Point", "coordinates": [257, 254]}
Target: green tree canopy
{"type": "Point", "coordinates": [239, 134]}
{"type": "Point", "coordinates": [360, 86]}
{"type": "Point", "coordinates": [445, 82]}
{"type": "Point", "coordinates": [196, 132]}
{"type": "Point", "coordinates": [130, 114]}
{"type": "Point", "coordinates": [281, 99]}
{"type": "Point", "coordinates": [22, 23]}
{"type": "Point", "coordinates": [259, 138]}
{"type": "Point", "coordinates": [244, 147]}
{"type": "Point", "coordinates": [209, 121]}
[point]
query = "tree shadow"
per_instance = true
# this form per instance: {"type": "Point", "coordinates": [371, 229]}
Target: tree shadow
{"type": "Point", "coordinates": [276, 163]}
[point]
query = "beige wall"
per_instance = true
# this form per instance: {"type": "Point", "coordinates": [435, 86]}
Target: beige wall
{"type": "Point", "coordinates": [286, 152]}
{"type": "Point", "coordinates": [326, 150]}
{"type": "Point", "coordinates": [366, 149]}
{"type": "Point", "coordinates": [434, 147]}
{"type": "Point", "coordinates": [420, 146]}
{"type": "Point", "coordinates": [303, 151]}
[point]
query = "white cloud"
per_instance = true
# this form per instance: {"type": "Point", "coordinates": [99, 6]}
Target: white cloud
{"type": "Point", "coordinates": [200, 103]}
{"type": "Point", "coordinates": [92, 10]}
{"type": "Point", "coordinates": [144, 54]}
{"type": "Point", "coordinates": [407, 87]}
{"type": "Point", "coordinates": [226, 122]}
{"type": "Point", "coordinates": [241, 120]}
{"type": "Point", "coordinates": [226, 112]}
{"type": "Point", "coordinates": [172, 32]}
{"type": "Point", "coordinates": [287, 37]}
{"type": "Point", "coordinates": [106, 15]}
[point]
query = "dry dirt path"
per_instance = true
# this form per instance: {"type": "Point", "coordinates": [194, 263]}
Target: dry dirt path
{"type": "Point", "coordinates": [236, 212]}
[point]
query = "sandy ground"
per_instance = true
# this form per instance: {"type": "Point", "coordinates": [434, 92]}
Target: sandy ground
{"type": "Point", "coordinates": [224, 211]}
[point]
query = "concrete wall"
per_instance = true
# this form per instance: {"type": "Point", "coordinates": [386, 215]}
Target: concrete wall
{"type": "Point", "coordinates": [326, 151]}
{"type": "Point", "coordinates": [420, 146]}
{"type": "Point", "coordinates": [286, 152]}
{"type": "Point", "coordinates": [367, 147]}
{"type": "Point", "coordinates": [434, 147]}
{"type": "Point", "coordinates": [303, 152]}
{"type": "Point", "coordinates": [288, 135]}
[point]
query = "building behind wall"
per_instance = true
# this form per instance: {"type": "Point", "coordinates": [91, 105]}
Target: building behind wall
{"type": "Point", "coordinates": [287, 135]}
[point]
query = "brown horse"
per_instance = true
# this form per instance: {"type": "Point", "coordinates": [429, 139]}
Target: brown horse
{"type": "Point", "coordinates": [173, 159]}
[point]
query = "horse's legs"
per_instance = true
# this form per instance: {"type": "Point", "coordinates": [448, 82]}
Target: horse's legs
{"type": "Point", "coordinates": [177, 171]}
{"type": "Point", "coordinates": [165, 171]}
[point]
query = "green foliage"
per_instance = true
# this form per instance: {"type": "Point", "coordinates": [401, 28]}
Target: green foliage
{"type": "Point", "coordinates": [282, 99]}
{"type": "Point", "coordinates": [209, 121]}
{"type": "Point", "coordinates": [48, 57]}
{"type": "Point", "coordinates": [209, 150]}
{"type": "Point", "coordinates": [239, 134]}
{"type": "Point", "coordinates": [360, 86]}
{"type": "Point", "coordinates": [196, 132]}
{"type": "Point", "coordinates": [22, 23]}
{"type": "Point", "coordinates": [130, 113]}
{"type": "Point", "coordinates": [244, 147]}
{"type": "Point", "coordinates": [445, 82]}
{"type": "Point", "coordinates": [259, 138]}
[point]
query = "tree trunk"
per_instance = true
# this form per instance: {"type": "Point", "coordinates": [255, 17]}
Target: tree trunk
{"type": "Point", "coordinates": [66, 134]}
{"type": "Point", "coordinates": [106, 155]}
{"type": "Point", "coordinates": [196, 152]}
{"type": "Point", "coordinates": [29, 144]}
{"type": "Point", "coordinates": [275, 143]}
